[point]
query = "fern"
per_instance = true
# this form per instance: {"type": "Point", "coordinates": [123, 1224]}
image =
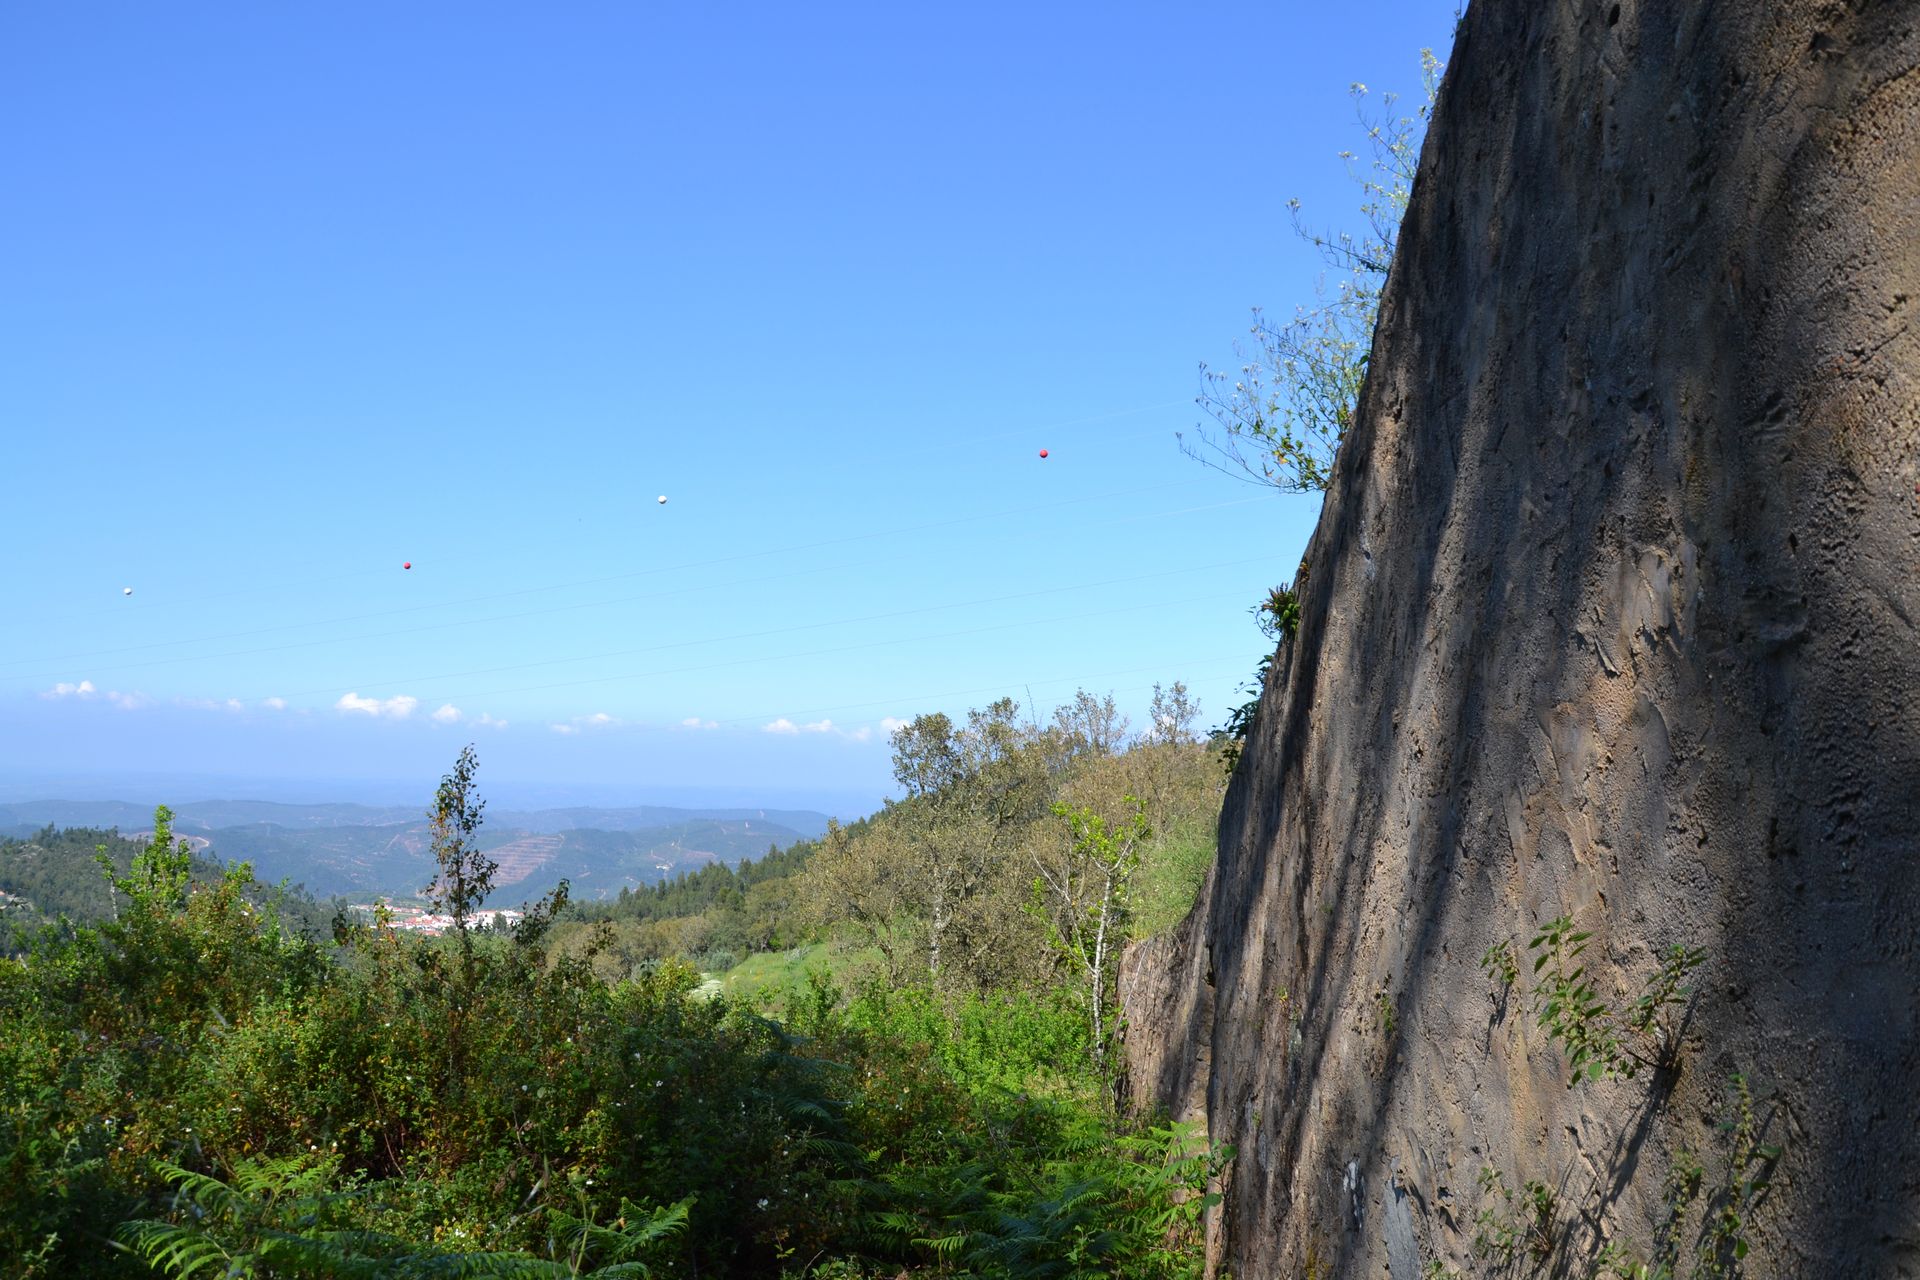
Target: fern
{"type": "Point", "coordinates": [177, 1250]}
{"type": "Point", "coordinates": [276, 1215]}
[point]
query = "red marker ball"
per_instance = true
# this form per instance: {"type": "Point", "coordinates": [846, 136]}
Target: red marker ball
{"type": "Point", "coordinates": [1043, 453]}
{"type": "Point", "coordinates": [407, 565]}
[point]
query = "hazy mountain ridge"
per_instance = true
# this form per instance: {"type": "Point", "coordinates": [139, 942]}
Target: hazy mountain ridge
{"type": "Point", "coordinates": [352, 850]}
{"type": "Point", "coordinates": [27, 816]}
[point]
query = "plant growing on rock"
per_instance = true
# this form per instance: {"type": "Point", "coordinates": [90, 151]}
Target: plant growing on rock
{"type": "Point", "coordinates": [1682, 1187]}
{"type": "Point", "coordinates": [1648, 1017]}
{"type": "Point", "coordinates": [1570, 1010]}
{"type": "Point", "coordinates": [1596, 1041]}
{"type": "Point", "coordinates": [1501, 966]}
{"type": "Point", "coordinates": [1616, 1262]}
{"type": "Point", "coordinates": [1280, 418]}
{"type": "Point", "coordinates": [1749, 1167]}
{"type": "Point", "coordinates": [1510, 1224]}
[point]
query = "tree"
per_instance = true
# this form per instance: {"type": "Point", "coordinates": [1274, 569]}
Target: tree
{"type": "Point", "coordinates": [1171, 717]}
{"type": "Point", "coordinates": [1086, 895]}
{"type": "Point", "coordinates": [157, 882]}
{"type": "Point", "coordinates": [1281, 418]}
{"type": "Point", "coordinates": [465, 879]}
{"type": "Point", "coordinates": [867, 879]}
{"type": "Point", "coordinates": [1090, 725]}
{"type": "Point", "coordinates": [934, 880]}
{"type": "Point", "coordinates": [969, 793]}
{"type": "Point", "coordinates": [466, 874]}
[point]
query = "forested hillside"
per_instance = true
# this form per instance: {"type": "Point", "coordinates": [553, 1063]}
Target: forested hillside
{"type": "Point", "coordinates": [978, 877]}
{"type": "Point", "coordinates": [194, 1084]}
{"type": "Point", "coordinates": [56, 874]}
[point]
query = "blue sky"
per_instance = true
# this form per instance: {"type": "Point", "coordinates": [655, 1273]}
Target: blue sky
{"type": "Point", "coordinates": [296, 294]}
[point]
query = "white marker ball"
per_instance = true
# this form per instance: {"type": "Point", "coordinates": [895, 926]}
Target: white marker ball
{"type": "Point", "coordinates": [126, 591]}
{"type": "Point", "coordinates": [663, 499]}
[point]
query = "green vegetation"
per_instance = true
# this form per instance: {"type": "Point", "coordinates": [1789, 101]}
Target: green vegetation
{"type": "Point", "coordinates": [1383, 1012]}
{"type": "Point", "coordinates": [942, 883]}
{"type": "Point", "coordinates": [1572, 1014]}
{"type": "Point", "coordinates": [1280, 419]}
{"type": "Point", "coordinates": [1086, 898]}
{"type": "Point", "coordinates": [1720, 1237]}
{"type": "Point", "coordinates": [286, 1217]}
{"type": "Point", "coordinates": [1599, 1043]}
{"type": "Point", "coordinates": [1586, 1027]}
{"type": "Point", "coordinates": [1172, 868]}
{"type": "Point", "coordinates": [1749, 1166]}
{"type": "Point", "coordinates": [1502, 966]}
{"type": "Point", "coordinates": [898, 1077]}
{"type": "Point", "coordinates": [1511, 1226]}
{"type": "Point", "coordinates": [713, 917]}
{"type": "Point", "coordinates": [54, 876]}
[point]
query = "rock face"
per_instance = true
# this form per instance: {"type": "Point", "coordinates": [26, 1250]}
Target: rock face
{"type": "Point", "coordinates": [1611, 613]}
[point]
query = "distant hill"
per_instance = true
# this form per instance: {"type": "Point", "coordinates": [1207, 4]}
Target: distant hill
{"type": "Point", "coordinates": [205, 815]}
{"type": "Point", "coordinates": [27, 816]}
{"type": "Point", "coordinates": [54, 873]}
{"type": "Point", "coordinates": [808, 823]}
{"type": "Point", "coordinates": [398, 858]}
{"type": "Point", "coordinates": [364, 850]}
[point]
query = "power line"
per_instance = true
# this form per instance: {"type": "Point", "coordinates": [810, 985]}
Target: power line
{"type": "Point", "coordinates": [283, 583]}
{"type": "Point", "coordinates": [771, 631]}
{"type": "Point", "coordinates": [923, 699]}
{"type": "Point", "coordinates": [790, 657]}
{"type": "Point", "coordinates": [597, 581]}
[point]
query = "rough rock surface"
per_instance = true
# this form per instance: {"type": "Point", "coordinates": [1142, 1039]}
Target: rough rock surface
{"type": "Point", "coordinates": [1611, 612]}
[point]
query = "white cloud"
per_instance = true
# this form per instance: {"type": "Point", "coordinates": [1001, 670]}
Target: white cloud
{"type": "Point", "coordinates": [84, 689]}
{"type": "Point", "coordinates": [889, 725]}
{"type": "Point", "coordinates": [398, 707]}
{"type": "Point", "coordinates": [598, 718]}
{"type": "Point", "coordinates": [695, 722]}
{"type": "Point", "coordinates": [198, 704]}
{"type": "Point", "coordinates": [784, 725]}
{"type": "Point", "coordinates": [563, 728]}
{"type": "Point", "coordinates": [450, 714]}
{"type": "Point", "coordinates": [274, 704]}
{"type": "Point", "coordinates": [862, 733]}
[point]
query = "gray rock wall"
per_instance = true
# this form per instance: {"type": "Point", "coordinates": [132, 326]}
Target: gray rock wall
{"type": "Point", "coordinates": [1611, 612]}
